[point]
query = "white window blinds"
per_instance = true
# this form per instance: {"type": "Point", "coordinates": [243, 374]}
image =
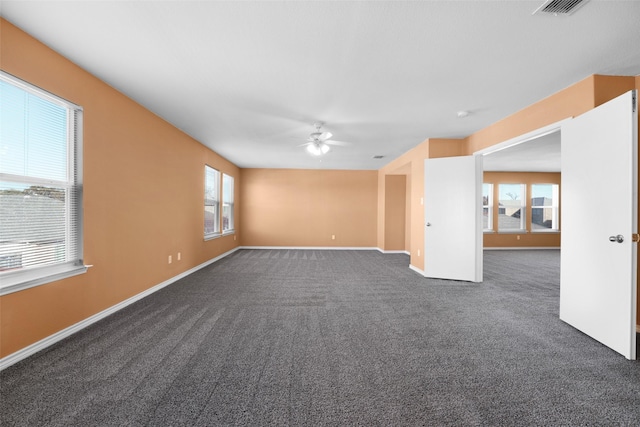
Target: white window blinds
{"type": "Point", "coordinates": [211, 202]}
{"type": "Point", "coordinates": [227, 203]}
{"type": "Point", "coordinates": [40, 184]}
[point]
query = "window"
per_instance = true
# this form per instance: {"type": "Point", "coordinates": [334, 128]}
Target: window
{"type": "Point", "coordinates": [544, 207]}
{"type": "Point", "coordinates": [211, 202]}
{"type": "Point", "coordinates": [487, 207]}
{"type": "Point", "coordinates": [227, 203]}
{"type": "Point", "coordinates": [511, 207]}
{"type": "Point", "coordinates": [40, 186]}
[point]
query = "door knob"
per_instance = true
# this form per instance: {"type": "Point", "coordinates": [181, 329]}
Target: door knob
{"type": "Point", "coordinates": [619, 238]}
{"type": "Point", "coordinates": [428, 224]}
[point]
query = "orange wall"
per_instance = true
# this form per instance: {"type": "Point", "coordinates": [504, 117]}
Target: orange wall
{"type": "Point", "coordinates": [143, 199]}
{"type": "Point", "coordinates": [411, 164]}
{"type": "Point", "coordinates": [527, 239]}
{"type": "Point", "coordinates": [395, 213]}
{"type": "Point", "coordinates": [570, 102]}
{"type": "Point", "coordinates": [294, 207]}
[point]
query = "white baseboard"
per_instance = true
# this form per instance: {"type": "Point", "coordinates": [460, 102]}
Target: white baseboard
{"type": "Point", "coordinates": [326, 248]}
{"type": "Point", "coordinates": [314, 248]}
{"type": "Point", "coordinates": [394, 252]}
{"type": "Point", "coordinates": [523, 248]}
{"type": "Point", "coordinates": [19, 355]}
{"type": "Point", "coordinates": [416, 269]}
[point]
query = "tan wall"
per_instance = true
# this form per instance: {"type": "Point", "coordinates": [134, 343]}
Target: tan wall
{"type": "Point", "coordinates": [527, 239]}
{"type": "Point", "coordinates": [411, 164]}
{"type": "Point", "coordinates": [143, 190]}
{"type": "Point", "coordinates": [570, 102]}
{"type": "Point", "coordinates": [293, 207]}
{"type": "Point", "coordinates": [395, 212]}
{"type": "Point", "coordinates": [407, 214]}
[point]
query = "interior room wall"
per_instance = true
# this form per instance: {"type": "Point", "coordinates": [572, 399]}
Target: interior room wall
{"type": "Point", "coordinates": [528, 239]}
{"type": "Point", "coordinates": [407, 213]}
{"type": "Point", "coordinates": [143, 199]}
{"type": "Point", "coordinates": [411, 164]}
{"type": "Point", "coordinates": [395, 212]}
{"type": "Point", "coordinates": [301, 207]}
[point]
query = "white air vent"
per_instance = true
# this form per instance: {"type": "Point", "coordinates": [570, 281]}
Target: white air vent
{"type": "Point", "coordinates": [560, 7]}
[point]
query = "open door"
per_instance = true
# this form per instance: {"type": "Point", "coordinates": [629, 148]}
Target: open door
{"type": "Point", "coordinates": [599, 219]}
{"type": "Point", "coordinates": [453, 218]}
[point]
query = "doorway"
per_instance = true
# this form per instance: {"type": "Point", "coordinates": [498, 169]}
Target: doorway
{"type": "Point", "coordinates": [598, 282]}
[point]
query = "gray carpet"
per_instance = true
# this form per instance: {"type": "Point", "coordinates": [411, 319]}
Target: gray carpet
{"type": "Point", "coordinates": [284, 337]}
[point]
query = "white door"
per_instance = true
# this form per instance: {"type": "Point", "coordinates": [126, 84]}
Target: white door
{"type": "Point", "coordinates": [453, 218]}
{"type": "Point", "coordinates": [599, 217]}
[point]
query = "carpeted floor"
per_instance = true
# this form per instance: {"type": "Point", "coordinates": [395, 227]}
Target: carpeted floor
{"type": "Point", "coordinates": [286, 337]}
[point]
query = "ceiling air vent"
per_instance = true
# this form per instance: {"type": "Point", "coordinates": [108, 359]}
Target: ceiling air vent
{"type": "Point", "coordinates": [378, 157]}
{"type": "Point", "coordinates": [560, 7]}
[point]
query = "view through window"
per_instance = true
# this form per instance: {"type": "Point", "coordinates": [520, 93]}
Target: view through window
{"type": "Point", "coordinates": [40, 185]}
{"type": "Point", "coordinates": [511, 207]}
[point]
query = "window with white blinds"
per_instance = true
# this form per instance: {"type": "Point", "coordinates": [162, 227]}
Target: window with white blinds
{"type": "Point", "coordinates": [227, 203]}
{"type": "Point", "coordinates": [211, 202]}
{"type": "Point", "coordinates": [40, 186]}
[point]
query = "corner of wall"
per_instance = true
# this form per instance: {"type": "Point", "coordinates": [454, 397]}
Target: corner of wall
{"type": "Point", "coordinates": [605, 88]}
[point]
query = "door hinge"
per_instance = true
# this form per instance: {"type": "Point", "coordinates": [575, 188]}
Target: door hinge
{"type": "Point", "coordinates": [635, 237]}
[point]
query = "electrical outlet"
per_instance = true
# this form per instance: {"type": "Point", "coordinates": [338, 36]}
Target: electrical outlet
{"type": "Point", "coordinates": [170, 260]}
{"type": "Point", "coordinates": [518, 237]}
{"type": "Point", "coordinates": [179, 256]}
{"type": "Point", "coordinates": [333, 237]}
{"type": "Point", "coordinates": [418, 252]}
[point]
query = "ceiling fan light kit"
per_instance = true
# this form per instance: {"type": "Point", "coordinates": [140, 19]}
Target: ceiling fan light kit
{"type": "Point", "coordinates": [318, 149]}
{"type": "Point", "coordinates": [317, 144]}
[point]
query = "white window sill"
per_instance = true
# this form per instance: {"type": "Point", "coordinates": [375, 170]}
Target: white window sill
{"type": "Point", "coordinates": [14, 281]}
{"type": "Point", "coordinates": [228, 232]}
{"type": "Point", "coordinates": [512, 232]}
{"type": "Point", "coordinates": [212, 236]}
{"type": "Point", "coordinates": [546, 231]}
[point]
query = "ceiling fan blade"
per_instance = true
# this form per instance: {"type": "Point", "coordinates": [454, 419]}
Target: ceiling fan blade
{"type": "Point", "coordinates": [338, 143]}
{"type": "Point", "coordinates": [306, 143]}
{"type": "Point", "coordinates": [325, 135]}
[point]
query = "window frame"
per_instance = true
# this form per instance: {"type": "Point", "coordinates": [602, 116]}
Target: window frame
{"type": "Point", "coordinates": [554, 207]}
{"type": "Point", "coordinates": [24, 278]}
{"type": "Point", "coordinates": [523, 209]}
{"type": "Point", "coordinates": [228, 200]}
{"type": "Point", "coordinates": [488, 207]}
{"type": "Point", "coordinates": [216, 186]}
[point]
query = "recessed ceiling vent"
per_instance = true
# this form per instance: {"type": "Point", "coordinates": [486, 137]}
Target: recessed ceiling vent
{"type": "Point", "coordinates": [378, 157]}
{"type": "Point", "coordinates": [560, 7]}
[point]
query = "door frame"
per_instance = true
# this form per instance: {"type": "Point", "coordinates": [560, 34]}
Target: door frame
{"type": "Point", "coordinates": [526, 137]}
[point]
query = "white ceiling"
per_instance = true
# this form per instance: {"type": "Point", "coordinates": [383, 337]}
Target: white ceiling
{"type": "Point", "coordinates": [249, 78]}
{"type": "Point", "coordinates": [541, 154]}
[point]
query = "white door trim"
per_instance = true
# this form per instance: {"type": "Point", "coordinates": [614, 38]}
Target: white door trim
{"type": "Point", "coordinates": [537, 133]}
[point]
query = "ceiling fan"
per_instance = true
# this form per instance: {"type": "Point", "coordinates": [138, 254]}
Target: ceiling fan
{"type": "Point", "coordinates": [318, 141]}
